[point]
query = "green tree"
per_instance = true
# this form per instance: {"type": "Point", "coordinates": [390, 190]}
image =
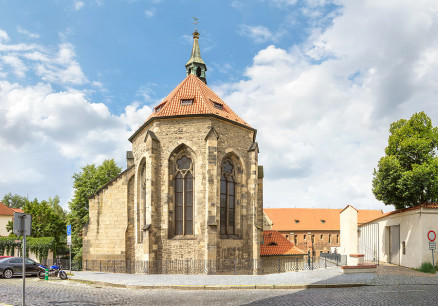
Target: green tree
{"type": "Point", "coordinates": [408, 174]}
{"type": "Point", "coordinates": [14, 200]}
{"type": "Point", "coordinates": [48, 220]}
{"type": "Point", "coordinates": [86, 183]}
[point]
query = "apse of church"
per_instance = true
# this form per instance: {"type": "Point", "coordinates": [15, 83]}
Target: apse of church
{"type": "Point", "coordinates": [192, 189]}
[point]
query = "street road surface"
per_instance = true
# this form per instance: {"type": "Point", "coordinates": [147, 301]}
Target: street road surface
{"type": "Point", "coordinates": [40, 292]}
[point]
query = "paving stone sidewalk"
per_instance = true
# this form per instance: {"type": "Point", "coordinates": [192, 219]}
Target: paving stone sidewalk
{"type": "Point", "coordinates": [330, 277]}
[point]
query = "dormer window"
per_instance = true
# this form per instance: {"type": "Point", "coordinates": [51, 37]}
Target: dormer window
{"type": "Point", "coordinates": [159, 107]}
{"type": "Point", "coordinates": [297, 221]}
{"type": "Point", "coordinates": [322, 221]}
{"type": "Point", "coordinates": [186, 102]}
{"type": "Point", "coordinates": [272, 244]}
{"type": "Point", "coordinates": [218, 106]}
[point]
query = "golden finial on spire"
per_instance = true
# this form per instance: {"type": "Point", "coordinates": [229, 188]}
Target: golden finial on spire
{"type": "Point", "coordinates": [195, 22]}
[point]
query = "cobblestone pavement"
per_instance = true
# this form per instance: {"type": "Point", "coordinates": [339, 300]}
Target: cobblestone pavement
{"type": "Point", "coordinates": [39, 292]}
{"type": "Point", "coordinates": [386, 275]}
{"type": "Point", "coordinates": [323, 276]}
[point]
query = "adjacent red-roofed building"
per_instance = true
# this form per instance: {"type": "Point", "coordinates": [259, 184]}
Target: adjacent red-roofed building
{"type": "Point", "coordinates": [275, 244]}
{"type": "Point", "coordinates": [311, 229]}
{"type": "Point", "coordinates": [6, 214]}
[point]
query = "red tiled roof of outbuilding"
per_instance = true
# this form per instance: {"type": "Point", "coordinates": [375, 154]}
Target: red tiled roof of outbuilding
{"type": "Point", "coordinates": [5, 211]}
{"type": "Point", "coordinates": [17, 210]}
{"type": "Point", "coordinates": [275, 244]}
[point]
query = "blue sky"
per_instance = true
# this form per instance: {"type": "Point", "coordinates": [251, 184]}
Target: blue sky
{"type": "Point", "coordinates": [135, 46]}
{"type": "Point", "coordinates": [320, 80]}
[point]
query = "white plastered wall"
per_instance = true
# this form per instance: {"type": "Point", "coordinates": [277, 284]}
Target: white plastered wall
{"type": "Point", "coordinates": [3, 222]}
{"type": "Point", "coordinates": [348, 229]}
{"type": "Point", "coordinates": [414, 226]}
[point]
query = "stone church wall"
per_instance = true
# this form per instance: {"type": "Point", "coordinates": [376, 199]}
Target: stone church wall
{"type": "Point", "coordinates": [206, 242]}
{"type": "Point", "coordinates": [104, 236]}
{"type": "Point", "coordinates": [132, 218]}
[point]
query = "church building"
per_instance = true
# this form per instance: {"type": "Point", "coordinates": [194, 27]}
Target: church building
{"type": "Point", "coordinates": [192, 190]}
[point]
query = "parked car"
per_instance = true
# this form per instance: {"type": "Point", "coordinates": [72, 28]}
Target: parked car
{"type": "Point", "coordinates": [14, 266]}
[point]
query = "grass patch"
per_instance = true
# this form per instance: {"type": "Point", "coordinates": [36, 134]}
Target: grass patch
{"type": "Point", "coordinates": [426, 267]}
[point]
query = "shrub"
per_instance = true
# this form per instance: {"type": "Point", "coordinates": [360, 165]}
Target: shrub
{"type": "Point", "coordinates": [426, 267]}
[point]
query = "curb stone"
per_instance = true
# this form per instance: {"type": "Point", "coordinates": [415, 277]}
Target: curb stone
{"type": "Point", "coordinates": [220, 287]}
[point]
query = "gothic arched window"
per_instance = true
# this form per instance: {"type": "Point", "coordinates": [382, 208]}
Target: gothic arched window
{"type": "Point", "coordinates": [228, 208]}
{"type": "Point", "coordinates": [183, 187]}
{"type": "Point", "coordinates": [141, 200]}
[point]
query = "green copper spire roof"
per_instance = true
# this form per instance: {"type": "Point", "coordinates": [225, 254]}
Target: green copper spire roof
{"type": "Point", "coordinates": [196, 65]}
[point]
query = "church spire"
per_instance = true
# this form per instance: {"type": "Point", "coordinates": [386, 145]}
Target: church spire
{"type": "Point", "coordinates": [196, 65]}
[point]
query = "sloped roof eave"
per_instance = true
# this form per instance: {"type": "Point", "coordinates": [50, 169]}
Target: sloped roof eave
{"type": "Point", "coordinates": [111, 181]}
{"type": "Point", "coordinates": [395, 212]}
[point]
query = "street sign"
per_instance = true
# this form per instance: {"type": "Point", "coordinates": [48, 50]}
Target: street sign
{"type": "Point", "coordinates": [431, 235]}
{"type": "Point", "coordinates": [69, 243]}
{"type": "Point", "coordinates": [22, 224]}
{"type": "Point", "coordinates": [69, 234]}
{"type": "Point", "coordinates": [432, 245]}
{"type": "Point", "coordinates": [23, 227]}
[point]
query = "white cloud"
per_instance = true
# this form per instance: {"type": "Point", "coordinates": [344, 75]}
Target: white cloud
{"type": "Point", "coordinates": [27, 33]}
{"type": "Point", "coordinates": [323, 108]}
{"type": "Point", "coordinates": [150, 13]}
{"type": "Point", "coordinates": [78, 5]}
{"type": "Point", "coordinates": [53, 66]}
{"type": "Point", "coordinates": [47, 135]}
{"type": "Point", "coordinates": [147, 92]}
{"type": "Point", "coordinates": [259, 34]}
{"type": "Point", "coordinates": [3, 36]}
{"type": "Point", "coordinates": [16, 64]}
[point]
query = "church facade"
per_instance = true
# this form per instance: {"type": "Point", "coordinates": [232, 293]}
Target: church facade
{"type": "Point", "coordinates": [192, 189]}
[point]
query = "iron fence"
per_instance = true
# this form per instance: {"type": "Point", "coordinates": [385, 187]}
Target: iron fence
{"type": "Point", "coordinates": [368, 242]}
{"type": "Point", "coordinates": [192, 266]}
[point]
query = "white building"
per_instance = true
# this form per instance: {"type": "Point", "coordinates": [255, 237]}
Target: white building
{"type": "Point", "coordinates": [400, 237]}
{"type": "Point", "coordinates": [6, 215]}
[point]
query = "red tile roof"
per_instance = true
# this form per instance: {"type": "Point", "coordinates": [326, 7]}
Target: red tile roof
{"type": "Point", "coordinates": [313, 219]}
{"type": "Point", "coordinates": [17, 210]}
{"type": "Point", "coordinates": [204, 101]}
{"type": "Point", "coordinates": [276, 244]}
{"type": "Point", "coordinates": [5, 211]}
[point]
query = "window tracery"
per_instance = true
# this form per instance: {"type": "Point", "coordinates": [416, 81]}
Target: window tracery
{"type": "Point", "coordinates": [183, 190]}
{"type": "Point", "coordinates": [227, 198]}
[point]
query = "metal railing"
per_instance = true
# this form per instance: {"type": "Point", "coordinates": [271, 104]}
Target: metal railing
{"type": "Point", "coordinates": [220, 266]}
{"type": "Point", "coordinates": [368, 242]}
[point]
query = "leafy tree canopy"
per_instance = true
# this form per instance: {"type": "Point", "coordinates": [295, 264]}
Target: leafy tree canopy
{"type": "Point", "coordinates": [86, 183]}
{"type": "Point", "coordinates": [408, 174]}
{"type": "Point", "coordinates": [48, 220]}
{"type": "Point", "coordinates": [14, 200]}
